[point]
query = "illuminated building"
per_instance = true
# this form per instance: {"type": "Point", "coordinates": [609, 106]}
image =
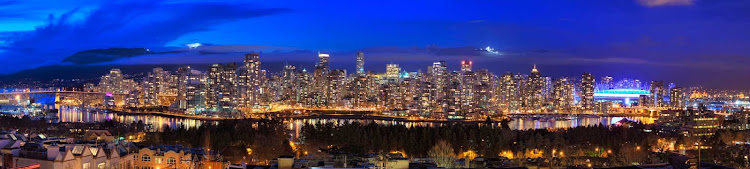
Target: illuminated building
{"type": "Point", "coordinates": [656, 98]}
{"type": "Point", "coordinates": [360, 63]}
{"type": "Point", "coordinates": [190, 87]}
{"type": "Point", "coordinates": [221, 87]}
{"type": "Point", "coordinates": [587, 91]}
{"type": "Point", "coordinates": [53, 156]}
{"type": "Point", "coordinates": [563, 95]}
{"type": "Point", "coordinates": [289, 89]}
{"type": "Point", "coordinates": [485, 91]}
{"type": "Point", "coordinates": [676, 98]}
{"type": "Point", "coordinates": [336, 85]}
{"type": "Point", "coordinates": [624, 97]}
{"type": "Point", "coordinates": [466, 66]}
{"type": "Point", "coordinates": [250, 81]}
{"type": "Point", "coordinates": [166, 157]}
{"type": "Point", "coordinates": [114, 82]}
{"type": "Point", "coordinates": [467, 83]}
{"type": "Point", "coordinates": [703, 125]}
{"type": "Point", "coordinates": [509, 92]}
{"type": "Point", "coordinates": [439, 78]}
{"type": "Point", "coordinates": [156, 83]}
{"type": "Point", "coordinates": [392, 72]}
{"type": "Point", "coordinates": [323, 61]}
{"type": "Point", "coordinates": [534, 95]}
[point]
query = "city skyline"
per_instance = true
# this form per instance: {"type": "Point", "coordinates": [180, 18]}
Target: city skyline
{"type": "Point", "coordinates": [388, 84]}
{"type": "Point", "coordinates": [551, 36]}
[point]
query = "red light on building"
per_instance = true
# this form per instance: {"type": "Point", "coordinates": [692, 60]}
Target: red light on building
{"type": "Point", "coordinates": [33, 166]}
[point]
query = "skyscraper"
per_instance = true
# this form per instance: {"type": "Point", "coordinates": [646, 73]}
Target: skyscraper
{"type": "Point", "coordinates": [676, 98]}
{"type": "Point", "coordinates": [323, 61]}
{"type": "Point", "coordinates": [563, 95]}
{"type": "Point", "coordinates": [439, 77]}
{"type": "Point", "coordinates": [466, 66]}
{"type": "Point", "coordinates": [221, 87]}
{"type": "Point", "coordinates": [391, 72]}
{"type": "Point", "coordinates": [252, 80]}
{"type": "Point", "coordinates": [360, 63]}
{"type": "Point", "coordinates": [657, 93]}
{"type": "Point", "coordinates": [534, 90]}
{"type": "Point", "coordinates": [587, 91]}
{"type": "Point", "coordinates": [190, 92]}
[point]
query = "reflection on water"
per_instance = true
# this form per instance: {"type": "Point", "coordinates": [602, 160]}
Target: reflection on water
{"type": "Point", "coordinates": [70, 114]}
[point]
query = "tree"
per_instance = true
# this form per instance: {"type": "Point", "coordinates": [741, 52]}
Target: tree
{"type": "Point", "coordinates": [442, 154]}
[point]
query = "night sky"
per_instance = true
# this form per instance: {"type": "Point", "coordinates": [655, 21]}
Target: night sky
{"type": "Point", "coordinates": [689, 42]}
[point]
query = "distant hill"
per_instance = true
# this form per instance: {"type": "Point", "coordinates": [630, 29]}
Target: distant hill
{"type": "Point", "coordinates": [92, 72]}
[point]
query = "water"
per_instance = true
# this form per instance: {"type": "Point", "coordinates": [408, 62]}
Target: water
{"type": "Point", "coordinates": [69, 114]}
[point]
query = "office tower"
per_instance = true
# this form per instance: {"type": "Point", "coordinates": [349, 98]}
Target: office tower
{"type": "Point", "coordinates": [563, 95]}
{"type": "Point", "coordinates": [508, 92]}
{"type": "Point", "coordinates": [391, 72]}
{"type": "Point", "coordinates": [485, 91]}
{"type": "Point", "coordinates": [359, 90]}
{"type": "Point", "coordinates": [289, 79]}
{"type": "Point", "coordinates": [323, 62]}
{"type": "Point", "coordinates": [534, 91]}
{"type": "Point", "coordinates": [468, 81]}
{"type": "Point", "coordinates": [677, 97]}
{"type": "Point", "coordinates": [250, 90]}
{"type": "Point", "coordinates": [150, 89]}
{"type": "Point", "coordinates": [657, 93]}
{"type": "Point", "coordinates": [190, 90]}
{"type": "Point", "coordinates": [439, 77]}
{"type": "Point", "coordinates": [466, 66]}
{"type": "Point", "coordinates": [221, 87]}
{"type": "Point", "coordinates": [336, 86]}
{"type": "Point", "coordinates": [360, 63]}
{"type": "Point", "coordinates": [587, 91]}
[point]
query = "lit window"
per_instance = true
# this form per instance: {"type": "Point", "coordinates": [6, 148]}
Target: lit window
{"type": "Point", "coordinates": [145, 157]}
{"type": "Point", "coordinates": [171, 160]}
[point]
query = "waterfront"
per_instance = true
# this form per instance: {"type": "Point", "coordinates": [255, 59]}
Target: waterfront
{"type": "Point", "coordinates": [67, 114]}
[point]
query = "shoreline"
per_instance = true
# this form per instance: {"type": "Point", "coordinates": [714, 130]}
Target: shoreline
{"type": "Point", "coordinates": [548, 117]}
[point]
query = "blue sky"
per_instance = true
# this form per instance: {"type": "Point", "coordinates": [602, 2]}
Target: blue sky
{"type": "Point", "coordinates": [695, 42]}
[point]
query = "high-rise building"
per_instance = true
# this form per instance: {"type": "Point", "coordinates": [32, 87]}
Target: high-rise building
{"type": "Point", "coordinates": [392, 72]}
{"type": "Point", "coordinates": [676, 98]}
{"type": "Point", "coordinates": [508, 93]}
{"type": "Point", "coordinates": [323, 61]}
{"type": "Point", "coordinates": [563, 95]}
{"type": "Point", "coordinates": [466, 66]}
{"type": "Point", "coordinates": [360, 63]}
{"type": "Point", "coordinates": [534, 96]}
{"type": "Point", "coordinates": [657, 94]}
{"type": "Point", "coordinates": [190, 90]}
{"type": "Point", "coordinates": [587, 91]}
{"type": "Point", "coordinates": [336, 81]}
{"type": "Point", "coordinates": [221, 87]}
{"type": "Point", "coordinates": [252, 80]}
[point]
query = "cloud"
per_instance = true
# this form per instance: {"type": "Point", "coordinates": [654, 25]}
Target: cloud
{"type": "Point", "coordinates": [655, 3]}
{"type": "Point", "coordinates": [127, 24]}
{"type": "Point", "coordinates": [104, 55]}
